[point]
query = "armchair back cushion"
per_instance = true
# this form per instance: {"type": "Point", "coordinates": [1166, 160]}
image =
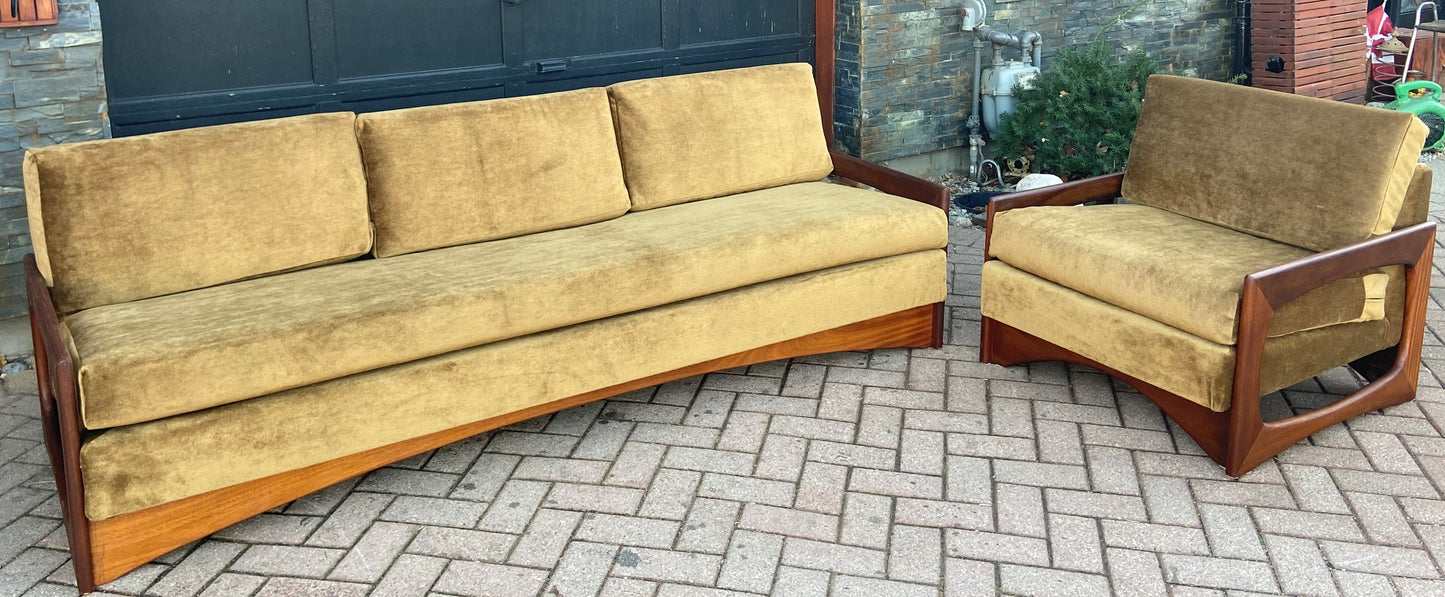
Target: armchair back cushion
{"type": "Point", "coordinates": [1417, 198]}
{"type": "Point", "coordinates": [711, 134]}
{"type": "Point", "coordinates": [126, 219]}
{"type": "Point", "coordinates": [455, 174]}
{"type": "Point", "coordinates": [1307, 172]}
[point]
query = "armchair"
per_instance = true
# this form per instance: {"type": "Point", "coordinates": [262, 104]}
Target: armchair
{"type": "Point", "coordinates": [1257, 249]}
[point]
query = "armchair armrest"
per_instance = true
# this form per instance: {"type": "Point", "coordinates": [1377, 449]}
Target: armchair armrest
{"type": "Point", "coordinates": [890, 181]}
{"type": "Point", "coordinates": [1074, 192]}
{"type": "Point", "coordinates": [1267, 291]}
{"type": "Point", "coordinates": [1283, 283]}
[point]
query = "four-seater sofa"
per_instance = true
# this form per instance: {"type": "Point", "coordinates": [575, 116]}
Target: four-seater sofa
{"type": "Point", "coordinates": [231, 317]}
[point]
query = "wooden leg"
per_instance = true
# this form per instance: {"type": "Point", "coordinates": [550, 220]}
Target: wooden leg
{"type": "Point", "coordinates": [1273, 437]}
{"type": "Point", "coordinates": [1006, 345]}
{"type": "Point", "coordinates": [940, 318]}
{"type": "Point", "coordinates": [1215, 431]}
{"type": "Point", "coordinates": [1252, 440]}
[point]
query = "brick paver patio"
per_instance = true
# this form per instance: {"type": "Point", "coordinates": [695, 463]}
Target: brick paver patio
{"type": "Point", "coordinates": [873, 474]}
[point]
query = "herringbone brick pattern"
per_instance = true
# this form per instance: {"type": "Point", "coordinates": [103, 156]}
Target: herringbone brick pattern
{"type": "Point", "coordinates": [894, 472]}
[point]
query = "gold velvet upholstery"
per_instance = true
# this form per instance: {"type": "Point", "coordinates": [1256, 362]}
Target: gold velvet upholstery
{"type": "Point", "coordinates": [1417, 198]}
{"type": "Point", "coordinates": [1166, 357]}
{"type": "Point", "coordinates": [126, 219]}
{"type": "Point", "coordinates": [448, 175]}
{"type": "Point", "coordinates": [1178, 271]}
{"type": "Point", "coordinates": [711, 134]}
{"type": "Point", "coordinates": [148, 464]}
{"type": "Point", "coordinates": [1308, 172]}
{"type": "Point", "coordinates": [1225, 181]}
{"type": "Point", "coordinates": [160, 357]}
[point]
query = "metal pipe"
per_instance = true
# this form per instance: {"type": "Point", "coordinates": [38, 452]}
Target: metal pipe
{"type": "Point", "coordinates": [997, 169]}
{"type": "Point", "coordinates": [1035, 46]}
{"type": "Point", "coordinates": [998, 38]}
{"type": "Point", "coordinates": [1243, 61]}
{"type": "Point", "coordinates": [1028, 42]}
{"type": "Point", "coordinates": [975, 140]}
{"type": "Point", "coordinates": [977, 82]}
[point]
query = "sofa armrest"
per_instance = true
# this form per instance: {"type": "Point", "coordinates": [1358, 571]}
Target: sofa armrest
{"type": "Point", "coordinates": [1267, 291]}
{"type": "Point", "coordinates": [890, 181]}
{"type": "Point", "coordinates": [1074, 192]}
{"type": "Point", "coordinates": [44, 321]}
{"type": "Point", "coordinates": [59, 415]}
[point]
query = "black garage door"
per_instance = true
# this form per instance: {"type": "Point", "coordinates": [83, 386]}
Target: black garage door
{"type": "Point", "coordinates": [183, 63]}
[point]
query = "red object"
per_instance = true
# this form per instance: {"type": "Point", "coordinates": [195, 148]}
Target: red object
{"type": "Point", "coordinates": [1378, 30]}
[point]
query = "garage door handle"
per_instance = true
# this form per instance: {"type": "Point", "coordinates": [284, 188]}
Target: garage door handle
{"type": "Point", "coordinates": [511, 2]}
{"type": "Point", "coordinates": [15, 9]}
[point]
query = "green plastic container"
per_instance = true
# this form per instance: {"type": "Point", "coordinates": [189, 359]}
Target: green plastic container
{"type": "Point", "coordinates": [1426, 107]}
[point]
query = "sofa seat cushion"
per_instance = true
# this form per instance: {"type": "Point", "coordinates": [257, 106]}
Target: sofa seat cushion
{"type": "Point", "coordinates": [1176, 270]}
{"type": "Point", "coordinates": [149, 464]}
{"type": "Point", "coordinates": [1165, 357]}
{"type": "Point", "coordinates": [164, 356]}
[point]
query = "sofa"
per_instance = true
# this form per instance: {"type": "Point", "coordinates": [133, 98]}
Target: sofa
{"type": "Point", "coordinates": [1263, 239]}
{"type": "Point", "coordinates": [229, 318]}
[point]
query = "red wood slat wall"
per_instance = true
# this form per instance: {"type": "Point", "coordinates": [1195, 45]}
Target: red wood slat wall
{"type": "Point", "coordinates": [32, 13]}
{"type": "Point", "coordinates": [1322, 43]}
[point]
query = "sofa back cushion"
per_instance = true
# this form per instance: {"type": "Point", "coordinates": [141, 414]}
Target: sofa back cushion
{"type": "Point", "coordinates": [705, 135]}
{"type": "Point", "coordinates": [1308, 172]}
{"type": "Point", "coordinates": [120, 220]}
{"type": "Point", "coordinates": [463, 173]}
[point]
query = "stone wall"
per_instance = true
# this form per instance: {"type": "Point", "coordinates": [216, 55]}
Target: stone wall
{"type": "Point", "coordinates": [905, 70]}
{"type": "Point", "coordinates": [52, 90]}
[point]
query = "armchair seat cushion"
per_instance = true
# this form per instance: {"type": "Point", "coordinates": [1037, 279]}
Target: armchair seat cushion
{"type": "Point", "coordinates": [1165, 357]}
{"type": "Point", "coordinates": [1179, 271]}
{"type": "Point", "coordinates": [155, 358]}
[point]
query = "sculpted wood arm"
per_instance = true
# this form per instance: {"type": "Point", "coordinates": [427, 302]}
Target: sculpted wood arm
{"type": "Point", "coordinates": [890, 181]}
{"type": "Point", "coordinates": [1074, 192]}
{"type": "Point", "coordinates": [1267, 291]}
{"type": "Point", "coordinates": [59, 416]}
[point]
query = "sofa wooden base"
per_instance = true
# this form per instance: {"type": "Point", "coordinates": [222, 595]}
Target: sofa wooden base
{"type": "Point", "coordinates": [119, 545]}
{"type": "Point", "coordinates": [1216, 432]}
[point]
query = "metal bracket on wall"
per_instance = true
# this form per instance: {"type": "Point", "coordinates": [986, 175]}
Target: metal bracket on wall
{"type": "Point", "coordinates": [551, 66]}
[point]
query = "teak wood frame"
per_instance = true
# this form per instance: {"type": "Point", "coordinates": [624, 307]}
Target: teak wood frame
{"type": "Point", "coordinates": [1239, 438]}
{"type": "Point", "coordinates": [105, 550]}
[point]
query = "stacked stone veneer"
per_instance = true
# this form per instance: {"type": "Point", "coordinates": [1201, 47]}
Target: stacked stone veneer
{"type": "Point", "coordinates": [52, 90]}
{"type": "Point", "coordinates": [905, 70]}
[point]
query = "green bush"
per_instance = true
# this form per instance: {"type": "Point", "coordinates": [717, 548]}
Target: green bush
{"type": "Point", "coordinates": [1079, 117]}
